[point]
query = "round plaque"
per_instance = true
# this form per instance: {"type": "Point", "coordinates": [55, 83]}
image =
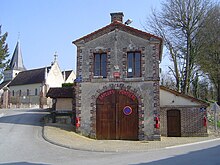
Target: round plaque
{"type": "Point", "coordinates": [127, 110]}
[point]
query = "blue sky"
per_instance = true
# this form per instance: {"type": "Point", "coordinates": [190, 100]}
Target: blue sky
{"type": "Point", "coordinates": [49, 26]}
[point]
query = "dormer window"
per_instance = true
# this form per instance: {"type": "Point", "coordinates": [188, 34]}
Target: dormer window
{"type": "Point", "coordinates": [100, 64]}
{"type": "Point", "coordinates": [133, 64]}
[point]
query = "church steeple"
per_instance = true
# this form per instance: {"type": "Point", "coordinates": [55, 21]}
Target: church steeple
{"type": "Point", "coordinates": [17, 60]}
{"type": "Point", "coordinates": [16, 65]}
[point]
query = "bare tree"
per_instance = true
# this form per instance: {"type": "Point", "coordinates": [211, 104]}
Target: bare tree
{"type": "Point", "coordinates": [178, 23]}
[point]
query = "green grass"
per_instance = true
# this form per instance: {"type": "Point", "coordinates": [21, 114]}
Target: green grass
{"type": "Point", "coordinates": [212, 122]}
{"type": "Point", "coordinates": [218, 124]}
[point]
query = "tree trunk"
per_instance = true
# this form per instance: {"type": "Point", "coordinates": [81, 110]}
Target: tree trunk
{"type": "Point", "coordinates": [218, 92]}
{"type": "Point", "coordinates": [186, 80]}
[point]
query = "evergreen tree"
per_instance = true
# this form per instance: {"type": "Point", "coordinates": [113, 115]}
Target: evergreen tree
{"type": "Point", "coordinates": [3, 53]}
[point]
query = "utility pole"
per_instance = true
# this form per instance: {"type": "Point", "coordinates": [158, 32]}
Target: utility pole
{"type": "Point", "coordinates": [215, 107]}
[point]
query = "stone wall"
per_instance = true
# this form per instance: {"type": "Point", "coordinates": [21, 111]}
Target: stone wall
{"type": "Point", "coordinates": [116, 44]}
{"type": "Point", "coordinates": [146, 106]}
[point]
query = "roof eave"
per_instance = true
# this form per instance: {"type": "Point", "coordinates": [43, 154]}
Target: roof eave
{"type": "Point", "coordinates": [116, 24]}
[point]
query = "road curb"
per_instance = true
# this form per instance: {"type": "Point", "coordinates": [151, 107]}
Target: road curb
{"type": "Point", "coordinates": [70, 147]}
{"type": "Point", "coordinates": [190, 144]}
{"type": "Point", "coordinates": [103, 149]}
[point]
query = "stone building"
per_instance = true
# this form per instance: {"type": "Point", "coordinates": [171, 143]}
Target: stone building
{"type": "Point", "coordinates": [62, 98]}
{"type": "Point", "coordinates": [117, 89]}
{"type": "Point", "coordinates": [16, 65]}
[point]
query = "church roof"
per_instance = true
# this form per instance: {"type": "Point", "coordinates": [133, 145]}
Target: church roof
{"type": "Point", "coordinates": [30, 77]}
{"type": "Point", "coordinates": [17, 60]}
{"type": "Point", "coordinates": [4, 84]}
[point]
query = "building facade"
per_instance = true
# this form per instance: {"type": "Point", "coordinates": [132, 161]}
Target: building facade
{"type": "Point", "coordinates": [182, 115]}
{"type": "Point", "coordinates": [29, 88]}
{"type": "Point", "coordinates": [16, 65]}
{"type": "Point", "coordinates": [117, 89]}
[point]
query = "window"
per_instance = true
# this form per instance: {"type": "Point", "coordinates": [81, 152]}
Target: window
{"type": "Point", "coordinates": [134, 64]}
{"type": "Point", "coordinates": [36, 91]}
{"type": "Point", "coordinates": [13, 93]}
{"type": "Point", "coordinates": [19, 92]}
{"type": "Point", "coordinates": [28, 92]}
{"type": "Point", "coordinates": [100, 63]}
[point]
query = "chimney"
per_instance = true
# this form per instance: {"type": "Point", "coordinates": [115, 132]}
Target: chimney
{"type": "Point", "coordinates": [117, 17]}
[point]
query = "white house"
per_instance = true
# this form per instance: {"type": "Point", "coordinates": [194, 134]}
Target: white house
{"type": "Point", "coordinates": [69, 76]}
{"type": "Point", "coordinates": [29, 87]}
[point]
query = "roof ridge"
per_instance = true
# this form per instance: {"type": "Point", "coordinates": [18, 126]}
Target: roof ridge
{"type": "Point", "coordinates": [36, 69]}
{"type": "Point", "coordinates": [115, 23]}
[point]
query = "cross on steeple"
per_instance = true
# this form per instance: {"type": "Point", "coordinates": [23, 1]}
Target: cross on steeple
{"type": "Point", "coordinates": [55, 56]}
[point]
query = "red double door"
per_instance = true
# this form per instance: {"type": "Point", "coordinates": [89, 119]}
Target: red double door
{"type": "Point", "coordinates": [117, 116]}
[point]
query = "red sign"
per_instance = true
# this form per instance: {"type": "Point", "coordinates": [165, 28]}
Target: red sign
{"type": "Point", "coordinates": [128, 94]}
{"type": "Point", "coordinates": [106, 93]}
{"type": "Point", "coordinates": [116, 74]}
{"type": "Point", "coordinates": [121, 92]}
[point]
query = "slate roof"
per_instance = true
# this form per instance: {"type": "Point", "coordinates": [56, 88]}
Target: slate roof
{"type": "Point", "coordinates": [184, 95]}
{"type": "Point", "coordinates": [64, 92]}
{"type": "Point", "coordinates": [30, 77]}
{"type": "Point", "coordinates": [4, 83]}
{"type": "Point", "coordinates": [118, 25]}
{"type": "Point", "coordinates": [67, 74]}
{"type": "Point", "coordinates": [17, 60]}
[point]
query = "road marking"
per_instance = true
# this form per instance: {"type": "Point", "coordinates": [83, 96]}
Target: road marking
{"type": "Point", "coordinates": [1, 114]}
{"type": "Point", "coordinates": [189, 144]}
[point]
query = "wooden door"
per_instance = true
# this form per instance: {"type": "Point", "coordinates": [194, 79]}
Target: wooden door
{"type": "Point", "coordinates": [173, 123]}
{"type": "Point", "coordinates": [105, 118]}
{"type": "Point", "coordinates": [116, 116]}
{"type": "Point", "coordinates": [127, 119]}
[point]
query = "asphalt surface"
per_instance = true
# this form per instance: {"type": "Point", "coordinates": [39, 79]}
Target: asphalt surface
{"type": "Point", "coordinates": [21, 143]}
{"type": "Point", "coordinates": [63, 135]}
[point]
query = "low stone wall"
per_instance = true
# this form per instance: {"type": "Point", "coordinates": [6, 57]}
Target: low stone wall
{"type": "Point", "coordinates": [60, 118]}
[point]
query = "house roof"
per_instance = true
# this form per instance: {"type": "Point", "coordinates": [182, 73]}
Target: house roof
{"type": "Point", "coordinates": [17, 60]}
{"type": "Point", "coordinates": [184, 96]}
{"type": "Point", "coordinates": [3, 84]}
{"type": "Point", "coordinates": [30, 77]}
{"type": "Point", "coordinates": [64, 92]}
{"type": "Point", "coordinates": [67, 74]}
{"type": "Point", "coordinates": [118, 25]}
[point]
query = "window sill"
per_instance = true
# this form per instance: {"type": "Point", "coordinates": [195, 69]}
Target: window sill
{"type": "Point", "coordinates": [134, 79]}
{"type": "Point", "coordinates": [97, 77]}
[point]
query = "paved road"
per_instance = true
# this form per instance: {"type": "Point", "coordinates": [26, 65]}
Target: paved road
{"type": "Point", "coordinates": [21, 142]}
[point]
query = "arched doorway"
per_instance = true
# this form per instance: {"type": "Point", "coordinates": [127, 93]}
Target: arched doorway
{"type": "Point", "coordinates": [117, 115]}
{"type": "Point", "coordinates": [173, 123]}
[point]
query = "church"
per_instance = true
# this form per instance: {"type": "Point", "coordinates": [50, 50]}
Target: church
{"type": "Point", "coordinates": [22, 88]}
